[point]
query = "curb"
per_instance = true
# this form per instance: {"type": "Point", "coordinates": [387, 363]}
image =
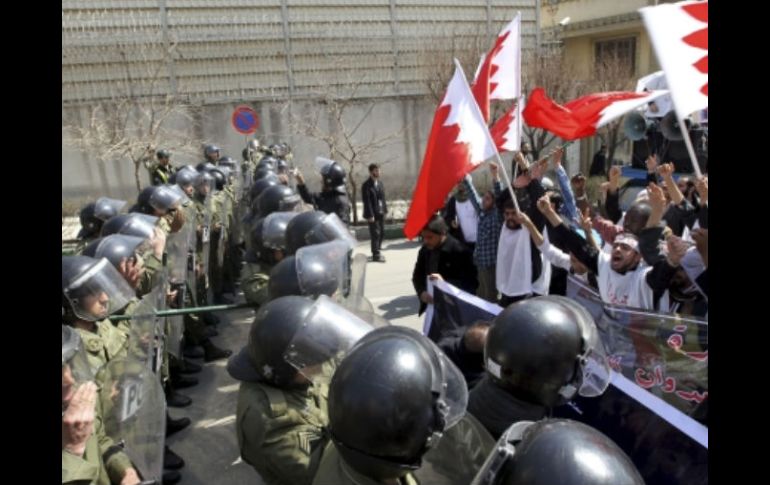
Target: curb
{"type": "Point", "coordinates": [392, 231]}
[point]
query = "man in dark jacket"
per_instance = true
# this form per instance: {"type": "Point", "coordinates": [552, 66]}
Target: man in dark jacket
{"type": "Point", "coordinates": [443, 255]}
{"type": "Point", "coordinates": [375, 208]}
{"type": "Point", "coordinates": [465, 347]}
{"type": "Point", "coordinates": [332, 198]}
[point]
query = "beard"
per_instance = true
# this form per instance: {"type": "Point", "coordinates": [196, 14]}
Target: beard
{"type": "Point", "coordinates": [512, 225]}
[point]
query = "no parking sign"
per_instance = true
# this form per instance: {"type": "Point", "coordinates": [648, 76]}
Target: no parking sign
{"type": "Point", "coordinates": [245, 120]}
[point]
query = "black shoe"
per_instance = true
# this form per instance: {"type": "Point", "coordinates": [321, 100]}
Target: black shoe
{"type": "Point", "coordinates": [212, 352]}
{"type": "Point", "coordinates": [193, 352]}
{"type": "Point", "coordinates": [171, 461]}
{"type": "Point", "coordinates": [210, 319]}
{"type": "Point", "coordinates": [171, 476]}
{"type": "Point", "coordinates": [379, 258]}
{"type": "Point", "coordinates": [182, 382]}
{"type": "Point", "coordinates": [210, 331]}
{"type": "Point", "coordinates": [176, 400]}
{"type": "Point", "coordinates": [175, 425]}
{"type": "Point", "coordinates": [189, 367]}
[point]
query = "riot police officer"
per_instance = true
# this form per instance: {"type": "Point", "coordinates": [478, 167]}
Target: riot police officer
{"type": "Point", "coordinates": [92, 289]}
{"type": "Point", "coordinates": [538, 354]}
{"type": "Point", "coordinates": [556, 451]}
{"type": "Point", "coordinates": [391, 399]}
{"type": "Point", "coordinates": [160, 173]}
{"type": "Point", "coordinates": [318, 269]}
{"type": "Point", "coordinates": [90, 226]}
{"type": "Point", "coordinates": [87, 453]}
{"type": "Point", "coordinates": [267, 248]}
{"type": "Point", "coordinates": [284, 371]}
{"type": "Point", "coordinates": [315, 227]}
{"type": "Point", "coordinates": [333, 198]}
{"type": "Point", "coordinates": [211, 153]}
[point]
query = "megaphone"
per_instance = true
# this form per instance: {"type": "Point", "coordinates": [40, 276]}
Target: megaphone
{"type": "Point", "coordinates": [635, 126]}
{"type": "Point", "coordinates": [669, 127]}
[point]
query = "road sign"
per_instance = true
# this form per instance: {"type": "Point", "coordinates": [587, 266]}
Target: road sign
{"type": "Point", "coordinates": [245, 120]}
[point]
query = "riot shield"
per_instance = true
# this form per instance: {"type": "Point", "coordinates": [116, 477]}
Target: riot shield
{"type": "Point", "coordinates": [458, 456]}
{"type": "Point", "coordinates": [178, 250]}
{"type": "Point", "coordinates": [222, 208]}
{"type": "Point", "coordinates": [323, 268]}
{"type": "Point", "coordinates": [330, 229]}
{"type": "Point", "coordinates": [208, 205]}
{"type": "Point", "coordinates": [134, 413]}
{"type": "Point", "coordinates": [177, 247]}
{"type": "Point", "coordinates": [326, 335]}
{"type": "Point", "coordinates": [364, 309]}
{"type": "Point", "coordinates": [357, 277]}
{"type": "Point", "coordinates": [141, 340]}
{"type": "Point", "coordinates": [191, 244]}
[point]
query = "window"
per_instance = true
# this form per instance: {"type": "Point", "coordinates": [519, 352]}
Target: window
{"type": "Point", "coordinates": [618, 53]}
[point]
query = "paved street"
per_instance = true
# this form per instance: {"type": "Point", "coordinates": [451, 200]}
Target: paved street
{"type": "Point", "coordinates": [209, 445]}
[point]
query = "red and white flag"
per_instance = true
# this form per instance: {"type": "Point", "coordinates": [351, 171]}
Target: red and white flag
{"type": "Point", "coordinates": [499, 76]}
{"type": "Point", "coordinates": [583, 116]}
{"type": "Point", "coordinates": [679, 34]}
{"type": "Point", "coordinates": [459, 141]}
{"type": "Point", "coordinates": [506, 132]}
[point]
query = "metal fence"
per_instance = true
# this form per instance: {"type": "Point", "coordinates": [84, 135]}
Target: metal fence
{"type": "Point", "coordinates": [219, 51]}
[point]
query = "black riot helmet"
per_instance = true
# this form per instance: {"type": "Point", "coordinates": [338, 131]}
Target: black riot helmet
{"type": "Point", "coordinates": [230, 165]}
{"type": "Point", "coordinates": [164, 198]}
{"type": "Point", "coordinates": [267, 162]}
{"type": "Point", "coordinates": [265, 174]}
{"type": "Point", "coordinates": [134, 224]}
{"type": "Point", "coordinates": [272, 331]}
{"type": "Point", "coordinates": [115, 247]}
{"type": "Point", "coordinates": [219, 178]}
{"type": "Point", "coordinates": [163, 154]}
{"type": "Point", "coordinates": [277, 198]}
{"type": "Point", "coordinates": [203, 183]}
{"type": "Point", "coordinates": [320, 269]}
{"type": "Point", "coordinates": [281, 166]}
{"type": "Point", "coordinates": [256, 236]}
{"type": "Point", "coordinates": [143, 201]}
{"type": "Point", "coordinates": [333, 174]}
{"type": "Point", "coordinates": [299, 227]}
{"type": "Point", "coordinates": [542, 350]}
{"type": "Point", "coordinates": [184, 177]}
{"type": "Point", "coordinates": [90, 225]}
{"type": "Point", "coordinates": [286, 279]}
{"type": "Point", "coordinates": [105, 208]}
{"type": "Point", "coordinates": [274, 233]}
{"type": "Point", "coordinates": [556, 451]}
{"type": "Point", "coordinates": [92, 289]}
{"type": "Point", "coordinates": [205, 167]}
{"type": "Point", "coordinates": [211, 152]}
{"type": "Point", "coordinates": [390, 399]}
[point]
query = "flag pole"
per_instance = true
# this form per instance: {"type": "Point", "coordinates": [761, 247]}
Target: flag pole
{"type": "Point", "coordinates": [489, 137]}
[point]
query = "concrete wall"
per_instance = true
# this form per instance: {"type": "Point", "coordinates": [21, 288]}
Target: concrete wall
{"type": "Point", "coordinates": [273, 55]}
{"type": "Point", "coordinates": [410, 117]}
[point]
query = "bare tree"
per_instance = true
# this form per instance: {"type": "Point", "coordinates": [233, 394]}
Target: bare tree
{"type": "Point", "coordinates": [467, 46]}
{"type": "Point", "coordinates": [139, 115]}
{"type": "Point", "coordinates": [337, 126]}
{"type": "Point", "coordinates": [612, 74]}
{"type": "Point", "coordinates": [547, 69]}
